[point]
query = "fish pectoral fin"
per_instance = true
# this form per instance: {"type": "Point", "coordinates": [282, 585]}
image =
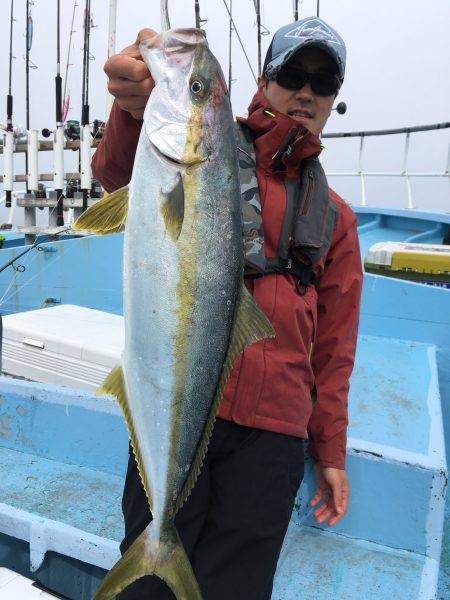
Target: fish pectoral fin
{"type": "Point", "coordinates": [249, 326]}
{"type": "Point", "coordinates": [172, 208]}
{"type": "Point", "coordinates": [114, 385]}
{"type": "Point", "coordinates": [107, 215]}
{"type": "Point", "coordinates": [164, 557]}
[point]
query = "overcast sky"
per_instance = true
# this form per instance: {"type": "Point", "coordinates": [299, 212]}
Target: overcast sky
{"type": "Point", "coordinates": [397, 74]}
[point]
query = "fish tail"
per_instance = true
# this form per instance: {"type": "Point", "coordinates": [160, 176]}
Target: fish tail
{"type": "Point", "coordinates": [162, 555]}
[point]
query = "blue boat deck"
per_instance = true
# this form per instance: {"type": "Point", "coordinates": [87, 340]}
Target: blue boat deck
{"type": "Point", "coordinates": [63, 452]}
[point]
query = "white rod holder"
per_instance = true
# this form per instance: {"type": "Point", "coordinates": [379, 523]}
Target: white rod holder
{"type": "Point", "coordinates": [8, 162]}
{"type": "Point", "coordinates": [85, 157]}
{"type": "Point", "coordinates": [33, 167]}
{"type": "Point", "coordinates": [58, 158]}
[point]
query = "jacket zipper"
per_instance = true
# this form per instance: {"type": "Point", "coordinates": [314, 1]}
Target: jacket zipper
{"type": "Point", "coordinates": [305, 208]}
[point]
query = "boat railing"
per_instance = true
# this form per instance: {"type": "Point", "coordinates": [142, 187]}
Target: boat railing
{"type": "Point", "coordinates": [405, 172]}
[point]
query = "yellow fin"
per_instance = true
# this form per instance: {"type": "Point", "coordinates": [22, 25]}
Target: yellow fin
{"type": "Point", "coordinates": [250, 325]}
{"type": "Point", "coordinates": [107, 215]}
{"type": "Point", "coordinates": [153, 552]}
{"type": "Point", "coordinates": [114, 385]}
{"type": "Point", "coordinates": [172, 209]}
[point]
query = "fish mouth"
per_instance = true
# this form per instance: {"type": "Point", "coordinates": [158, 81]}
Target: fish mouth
{"type": "Point", "coordinates": [170, 160]}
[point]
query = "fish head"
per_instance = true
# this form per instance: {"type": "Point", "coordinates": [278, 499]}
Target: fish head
{"type": "Point", "coordinates": [190, 93]}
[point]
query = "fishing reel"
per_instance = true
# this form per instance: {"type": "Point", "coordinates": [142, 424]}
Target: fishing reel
{"type": "Point", "coordinates": [96, 189]}
{"type": "Point", "coordinates": [341, 108]}
{"type": "Point", "coordinates": [98, 129]}
{"type": "Point", "coordinates": [72, 130]}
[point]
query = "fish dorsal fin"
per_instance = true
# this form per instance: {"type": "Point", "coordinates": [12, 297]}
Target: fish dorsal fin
{"type": "Point", "coordinates": [114, 385]}
{"type": "Point", "coordinates": [107, 215]}
{"type": "Point", "coordinates": [250, 325]}
{"type": "Point", "coordinates": [172, 208]}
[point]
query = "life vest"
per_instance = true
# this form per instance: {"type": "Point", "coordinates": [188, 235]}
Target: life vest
{"type": "Point", "coordinates": [308, 223]}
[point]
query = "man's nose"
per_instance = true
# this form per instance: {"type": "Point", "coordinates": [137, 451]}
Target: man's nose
{"type": "Point", "coordinates": [305, 93]}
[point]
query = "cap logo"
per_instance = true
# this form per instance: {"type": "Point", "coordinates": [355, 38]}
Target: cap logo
{"type": "Point", "coordinates": [314, 28]}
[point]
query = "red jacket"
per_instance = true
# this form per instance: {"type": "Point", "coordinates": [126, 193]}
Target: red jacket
{"type": "Point", "coordinates": [271, 382]}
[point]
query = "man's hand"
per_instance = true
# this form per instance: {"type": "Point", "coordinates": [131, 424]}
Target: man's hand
{"type": "Point", "coordinates": [129, 80]}
{"type": "Point", "coordinates": [334, 489]}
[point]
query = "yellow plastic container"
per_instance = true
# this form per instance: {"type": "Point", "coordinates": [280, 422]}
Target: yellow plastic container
{"type": "Point", "coordinates": [423, 263]}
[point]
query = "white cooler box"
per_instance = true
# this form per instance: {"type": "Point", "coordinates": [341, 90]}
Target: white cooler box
{"type": "Point", "coordinates": [65, 345]}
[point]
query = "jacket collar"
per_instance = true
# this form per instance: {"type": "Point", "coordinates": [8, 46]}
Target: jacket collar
{"type": "Point", "coordinates": [274, 132]}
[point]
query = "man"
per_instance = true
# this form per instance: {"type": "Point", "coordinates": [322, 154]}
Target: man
{"type": "Point", "coordinates": [280, 391]}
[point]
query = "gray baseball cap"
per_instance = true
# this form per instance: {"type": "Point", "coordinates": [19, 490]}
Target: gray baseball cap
{"type": "Point", "coordinates": [311, 31]}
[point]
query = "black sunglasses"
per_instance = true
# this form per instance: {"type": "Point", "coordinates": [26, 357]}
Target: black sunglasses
{"type": "Point", "coordinates": [294, 78]}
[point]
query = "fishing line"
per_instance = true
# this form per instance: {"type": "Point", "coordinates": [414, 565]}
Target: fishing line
{"type": "Point", "coordinates": [240, 41]}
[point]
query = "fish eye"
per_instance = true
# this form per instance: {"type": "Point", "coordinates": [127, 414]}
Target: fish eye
{"type": "Point", "coordinates": [197, 87]}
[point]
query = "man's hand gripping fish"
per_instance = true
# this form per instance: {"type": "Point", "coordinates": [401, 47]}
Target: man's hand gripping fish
{"type": "Point", "coordinates": [187, 312]}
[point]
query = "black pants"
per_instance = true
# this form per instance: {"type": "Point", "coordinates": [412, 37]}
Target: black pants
{"type": "Point", "coordinates": [233, 524]}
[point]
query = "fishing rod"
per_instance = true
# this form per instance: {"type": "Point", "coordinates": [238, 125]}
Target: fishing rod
{"type": "Point", "coordinates": [58, 140]}
{"type": "Point", "coordinates": [111, 47]}
{"type": "Point", "coordinates": [66, 98]}
{"type": "Point", "coordinates": [318, 8]}
{"type": "Point", "coordinates": [295, 10]}
{"type": "Point", "coordinates": [230, 42]}
{"type": "Point", "coordinates": [257, 4]}
{"type": "Point", "coordinates": [240, 40]}
{"type": "Point", "coordinates": [8, 151]}
{"type": "Point", "coordinates": [28, 41]}
{"type": "Point", "coordinates": [197, 14]}
{"type": "Point", "coordinates": [85, 131]}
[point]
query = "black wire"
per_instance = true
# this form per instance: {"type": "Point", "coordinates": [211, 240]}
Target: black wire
{"type": "Point", "coordinates": [240, 41]}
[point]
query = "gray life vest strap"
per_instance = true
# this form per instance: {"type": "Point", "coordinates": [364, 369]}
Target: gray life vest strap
{"type": "Point", "coordinates": [308, 224]}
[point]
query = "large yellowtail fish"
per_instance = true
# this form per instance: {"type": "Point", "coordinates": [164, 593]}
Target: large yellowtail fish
{"type": "Point", "coordinates": [187, 313]}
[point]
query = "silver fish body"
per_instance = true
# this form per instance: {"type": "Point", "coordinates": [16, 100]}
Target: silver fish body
{"type": "Point", "coordinates": [187, 314]}
{"type": "Point", "coordinates": [179, 294]}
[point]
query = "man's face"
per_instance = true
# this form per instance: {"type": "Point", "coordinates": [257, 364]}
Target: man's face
{"type": "Point", "coordinates": [303, 105]}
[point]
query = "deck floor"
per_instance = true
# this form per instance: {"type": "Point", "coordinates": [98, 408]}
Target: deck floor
{"type": "Point", "coordinates": [347, 569]}
{"type": "Point", "coordinates": [84, 498]}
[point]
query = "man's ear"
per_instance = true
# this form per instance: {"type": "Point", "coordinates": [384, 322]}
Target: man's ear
{"type": "Point", "coordinates": [262, 84]}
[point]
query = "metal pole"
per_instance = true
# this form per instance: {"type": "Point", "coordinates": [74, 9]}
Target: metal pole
{"type": "Point", "coordinates": [318, 8]}
{"type": "Point", "coordinates": [111, 47]}
{"type": "Point", "coordinates": [405, 171]}
{"type": "Point", "coordinates": [361, 174]}
{"type": "Point", "coordinates": [447, 170]}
